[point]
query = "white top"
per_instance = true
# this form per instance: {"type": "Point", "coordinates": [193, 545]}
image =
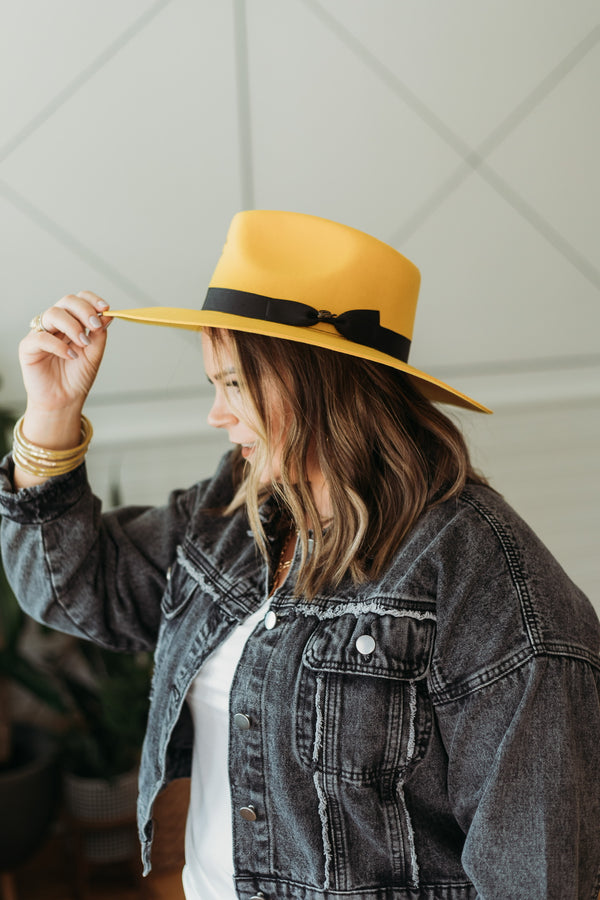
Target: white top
{"type": "Point", "coordinates": [208, 871]}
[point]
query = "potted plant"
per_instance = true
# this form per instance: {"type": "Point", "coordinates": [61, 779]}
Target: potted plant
{"type": "Point", "coordinates": [28, 755]}
{"type": "Point", "coordinates": [107, 696]}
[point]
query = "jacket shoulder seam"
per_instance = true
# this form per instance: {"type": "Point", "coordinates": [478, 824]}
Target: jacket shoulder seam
{"type": "Point", "coordinates": [506, 540]}
{"type": "Point", "coordinates": [444, 695]}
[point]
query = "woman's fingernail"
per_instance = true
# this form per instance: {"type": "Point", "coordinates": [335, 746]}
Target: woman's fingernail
{"type": "Point", "coordinates": [101, 304]}
{"type": "Point", "coordinates": [84, 339]}
{"type": "Point", "coordinates": [95, 322]}
{"type": "Point", "coordinates": [72, 354]}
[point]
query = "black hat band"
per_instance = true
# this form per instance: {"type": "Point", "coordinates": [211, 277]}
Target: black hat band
{"type": "Point", "coordinates": [358, 325]}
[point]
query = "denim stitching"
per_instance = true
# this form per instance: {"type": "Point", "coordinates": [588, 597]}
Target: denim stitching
{"type": "Point", "coordinates": [446, 693]}
{"type": "Point", "coordinates": [506, 541]}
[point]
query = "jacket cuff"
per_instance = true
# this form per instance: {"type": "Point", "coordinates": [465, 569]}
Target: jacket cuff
{"type": "Point", "coordinates": [42, 502]}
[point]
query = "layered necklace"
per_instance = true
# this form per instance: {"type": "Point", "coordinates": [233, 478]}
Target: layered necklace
{"type": "Point", "coordinates": [285, 560]}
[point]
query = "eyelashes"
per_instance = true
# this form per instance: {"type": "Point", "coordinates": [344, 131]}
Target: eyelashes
{"type": "Point", "coordinates": [231, 383]}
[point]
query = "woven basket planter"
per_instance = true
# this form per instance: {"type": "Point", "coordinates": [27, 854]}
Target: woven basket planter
{"type": "Point", "coordinates": [103, 813]}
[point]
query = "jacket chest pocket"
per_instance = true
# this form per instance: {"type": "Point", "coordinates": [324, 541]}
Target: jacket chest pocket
{"type": "Point", "coordinates": [362, 710]}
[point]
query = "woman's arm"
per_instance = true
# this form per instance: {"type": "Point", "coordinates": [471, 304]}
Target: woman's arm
{"type": "Point", "coordinates": [524, 780]}
{"type": "Point", "coordinates": [515, 684]}
{"type": "Point", "coordinates": [100, 577]}
{"type": "Point", "coordinates": [59, 365]}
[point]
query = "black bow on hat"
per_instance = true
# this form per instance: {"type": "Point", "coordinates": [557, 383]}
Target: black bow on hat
{"type": "Point", "coordinates": [358, 325]}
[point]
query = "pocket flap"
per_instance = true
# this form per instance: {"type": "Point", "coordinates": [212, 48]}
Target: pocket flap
{"type": "Point", "coordinates": [383, 646]}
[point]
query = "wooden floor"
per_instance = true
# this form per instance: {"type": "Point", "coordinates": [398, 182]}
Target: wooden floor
{"type": "Point", "coordinates": [51, 873]}
{"type": "Point", "coordinates": [49, 876]}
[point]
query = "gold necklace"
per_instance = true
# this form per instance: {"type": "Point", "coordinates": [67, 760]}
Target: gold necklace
{"type": "Point", "coordinates": [284, 563]}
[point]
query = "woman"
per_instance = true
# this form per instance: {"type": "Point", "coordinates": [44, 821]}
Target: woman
{"type": "Point", "coordinates": [381, 682]}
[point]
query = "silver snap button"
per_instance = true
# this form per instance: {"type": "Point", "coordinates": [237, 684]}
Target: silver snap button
{"type": "Point", "coordinates": [248, 813]}
{"type": "Point", "coordinates": [270, 620]}
{"type": "Point", "coordinates": [241, 721]}
{"type": "Point", "coordinates": [365, 644]}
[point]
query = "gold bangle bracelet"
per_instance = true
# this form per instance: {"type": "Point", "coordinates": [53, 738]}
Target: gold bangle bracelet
{"type": "Point", "coordinates": [45, 463]}
{"type": "Point", "coordinates": [30, 449]}
{"type": "Point", "coordinates": [44, 470]}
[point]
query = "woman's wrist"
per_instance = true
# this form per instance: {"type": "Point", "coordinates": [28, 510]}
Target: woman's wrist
{"type": "Point", "coordinates": [46, 444]}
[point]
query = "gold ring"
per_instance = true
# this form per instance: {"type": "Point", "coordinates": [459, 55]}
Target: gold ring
{"type": "Point", "coordinates": [37, 323]}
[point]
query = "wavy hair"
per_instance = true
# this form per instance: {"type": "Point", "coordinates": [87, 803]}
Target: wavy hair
{"type": "Point", "coordinates": [386, 452]}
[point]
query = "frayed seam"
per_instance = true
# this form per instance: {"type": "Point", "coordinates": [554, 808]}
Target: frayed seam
{"type": "Point", "coordinates": [410, 752]}
{"type": "Point", "coordinates": [319, 720]}
{"type": "Point", "coordinates": [414, 874]}
{"type": "Point", "coordinates": [410, 746]}
{"type": "Point", "coordinates": [325, 830]}
{"type": "Point", "coordinates": [197, 575]}
{"type": "Point", "coordinates": [357, 609]}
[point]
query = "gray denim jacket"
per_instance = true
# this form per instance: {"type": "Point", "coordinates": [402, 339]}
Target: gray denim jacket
{"type": "Point", "coordinates": [432, 735]}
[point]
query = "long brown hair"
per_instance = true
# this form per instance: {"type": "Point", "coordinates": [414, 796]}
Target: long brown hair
{"type": "Point", "coordinates": [386, 452]}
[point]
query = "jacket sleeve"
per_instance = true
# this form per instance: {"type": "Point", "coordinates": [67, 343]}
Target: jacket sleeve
{"type": "Point", "coordinates": [524, 780]}
{"type": "Point", "coordinates": [515, 686]}
{"type": "Point", "coordinates": [97, 576]}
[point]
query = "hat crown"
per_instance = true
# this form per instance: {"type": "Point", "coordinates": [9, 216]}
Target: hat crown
{"type": "Point", "coordinates": [301, 278]}
{"type": "Point", "coordinates": [294, 256]}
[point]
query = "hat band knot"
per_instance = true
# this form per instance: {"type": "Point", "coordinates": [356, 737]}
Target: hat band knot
{"type": "Point", "coordinates": [358, 325]}
{"type": "Point", "coordinates": [323, 315]}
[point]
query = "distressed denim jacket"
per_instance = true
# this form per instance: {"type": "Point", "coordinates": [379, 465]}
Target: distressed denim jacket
{"type": "Point", "coordinates": [431, 735]}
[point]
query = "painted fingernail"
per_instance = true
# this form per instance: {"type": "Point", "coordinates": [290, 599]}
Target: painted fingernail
{"type": "Point", "coordinates": [72, 354]}
{"type": "Point", "coordinates": [84, 339]}
{"type": "Point", "coordinates": [95, 322]}
{"type": "Point", "coordinates": [101, 304]}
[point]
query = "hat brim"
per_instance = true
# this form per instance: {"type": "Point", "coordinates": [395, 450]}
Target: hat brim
{"type": "Point", "coordinates": [321, 335]}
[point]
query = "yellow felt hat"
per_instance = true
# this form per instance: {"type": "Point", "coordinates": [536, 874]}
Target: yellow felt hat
{"type": "Point", "coordinates": [307, 279]}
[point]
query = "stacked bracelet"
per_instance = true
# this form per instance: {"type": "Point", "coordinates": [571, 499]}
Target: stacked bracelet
{"type": "Point", "coordinates": [46, 463]}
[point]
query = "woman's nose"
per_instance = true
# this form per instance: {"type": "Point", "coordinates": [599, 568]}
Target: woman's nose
{"type": "Point", "coordinates": [220, 415]}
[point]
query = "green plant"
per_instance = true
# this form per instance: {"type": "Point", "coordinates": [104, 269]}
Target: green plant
{"type": "Point", "coordinates": [108, 702]}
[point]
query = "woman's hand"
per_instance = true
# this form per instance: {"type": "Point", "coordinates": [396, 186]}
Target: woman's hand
{"type": "Point", "coordinates": [59, 366]}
